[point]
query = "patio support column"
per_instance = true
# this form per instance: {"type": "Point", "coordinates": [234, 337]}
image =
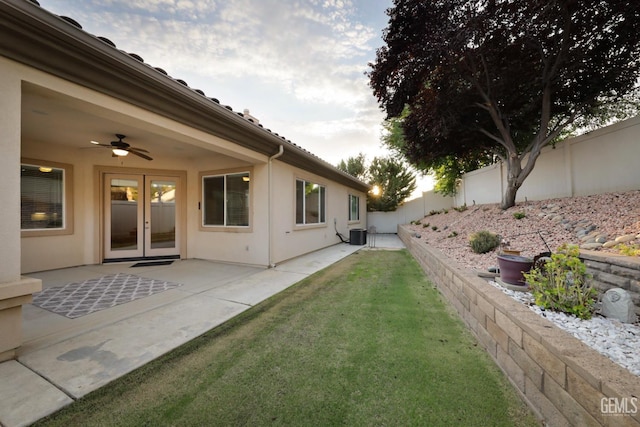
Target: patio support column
{"type": "Point", "coordinates": [14, 289]}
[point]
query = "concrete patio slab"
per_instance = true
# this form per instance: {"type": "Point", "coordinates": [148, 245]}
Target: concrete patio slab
{"type": "Point", "coordinates": [90, 360]}
{"type": "Point", "coordinates": [26, 397]}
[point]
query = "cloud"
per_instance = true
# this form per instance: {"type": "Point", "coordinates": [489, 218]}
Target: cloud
{"type": "Point", "coordinates": [306, 58]}
{"type": "Point", "coordinates": [309, 49]}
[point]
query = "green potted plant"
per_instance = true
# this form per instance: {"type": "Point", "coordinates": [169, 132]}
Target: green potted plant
{"type": "Point", "coordinates": [562, 283]}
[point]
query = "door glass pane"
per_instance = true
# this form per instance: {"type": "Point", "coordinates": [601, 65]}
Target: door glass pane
{"type": "Point", "coordinates": [124, 214]}
{"type": "Point", "coordinates": [163, 214]}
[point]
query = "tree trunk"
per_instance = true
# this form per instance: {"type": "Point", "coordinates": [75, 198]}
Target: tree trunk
{"type": "Point", "coordinates": [516, 175]}
{"type": "Point", "coordinates": [514, 181]}
{"type": "Point", "coordinates": [509, 196]}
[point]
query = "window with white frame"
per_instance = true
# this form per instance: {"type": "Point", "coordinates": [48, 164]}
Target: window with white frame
{"type": "Point", "coordinates": [225, 200]}
{"type": "Point", "coordinates": [354, 208]}
{"type": "Point", "coordinates": [45, 198]}
{"type": "Point", "coordinates": [310, 203]}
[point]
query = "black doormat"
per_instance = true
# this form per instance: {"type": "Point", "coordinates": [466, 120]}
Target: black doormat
{"type": "Point", "coordinates": [152, 263]}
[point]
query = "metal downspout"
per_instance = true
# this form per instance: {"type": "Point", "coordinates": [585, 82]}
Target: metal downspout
{"type": "Point", "coordinates": [269, 204]}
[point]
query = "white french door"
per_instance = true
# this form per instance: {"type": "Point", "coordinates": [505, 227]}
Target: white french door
{"type": "Point", "coordinates": [140, 218]}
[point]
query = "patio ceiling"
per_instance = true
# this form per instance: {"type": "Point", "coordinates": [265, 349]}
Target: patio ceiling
{"type": "Point", "coordinates": [54, 118]}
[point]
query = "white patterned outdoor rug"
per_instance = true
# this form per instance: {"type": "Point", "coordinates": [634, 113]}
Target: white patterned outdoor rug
{"type": "Point", "coordinates": [74, 300]}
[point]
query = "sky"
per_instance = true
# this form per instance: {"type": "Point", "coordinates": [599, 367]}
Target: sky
{"type": "Point", "coordinates": [298, 66]}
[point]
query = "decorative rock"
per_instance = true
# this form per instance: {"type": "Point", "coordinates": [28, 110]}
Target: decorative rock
{"type": "Point", "coordinates": [591, 246]}
{"type": "Point", "coordinates": [625, 238]}
{"type": "Point", "coordinates": [558, 218]}
{"type": "Point", "coordinates": [613, 339]}
{"type": "Point", "coordinates": [617, 304]}
{"type": "Point", "coordinates": [601, 238]}
{"type": "Point", "coordinates": [609, 244]}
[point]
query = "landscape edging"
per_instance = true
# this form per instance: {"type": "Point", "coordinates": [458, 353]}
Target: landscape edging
{"type": "Point", "coordinates": [563, 380]}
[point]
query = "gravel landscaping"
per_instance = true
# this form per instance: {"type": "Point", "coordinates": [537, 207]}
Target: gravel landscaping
{"type": "Point", "coordinates": [592, 222]}
{"type": "Point", "coordinates": [547, 223]}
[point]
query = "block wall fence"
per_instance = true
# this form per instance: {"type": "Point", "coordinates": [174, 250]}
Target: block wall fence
{"type": "Point", "coordinates": [602, 161]}
{"type": "Point", "coordinates": [564, 381]}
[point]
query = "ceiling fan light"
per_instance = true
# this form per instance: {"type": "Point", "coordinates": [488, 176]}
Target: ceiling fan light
{"type": "Point", "coordinates": [119, 152]}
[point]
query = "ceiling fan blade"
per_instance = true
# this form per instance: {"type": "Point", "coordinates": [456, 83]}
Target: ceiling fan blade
{"type": "Point", "coordinates": [144, 156]}
{"type": "Point", "coordinates": [141, 150]}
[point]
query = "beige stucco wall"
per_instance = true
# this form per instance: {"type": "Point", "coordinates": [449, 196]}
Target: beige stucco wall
{"type": "Point", "coordinates": [243, 245]}
{"type": "Point", "coordinates": [290, 240]}
{"type": "Point", "coordinates": [83, 246]}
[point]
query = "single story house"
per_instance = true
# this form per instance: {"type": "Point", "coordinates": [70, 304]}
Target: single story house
{"type": "Point", "coordinates": [176, 174]}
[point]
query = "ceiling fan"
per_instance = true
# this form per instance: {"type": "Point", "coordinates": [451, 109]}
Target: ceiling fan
{"type": "Point", "coordinates": [120, 148]}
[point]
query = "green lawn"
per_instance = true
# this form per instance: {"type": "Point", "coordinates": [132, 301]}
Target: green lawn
{"type": "Point", "coordinates": [365, 342]}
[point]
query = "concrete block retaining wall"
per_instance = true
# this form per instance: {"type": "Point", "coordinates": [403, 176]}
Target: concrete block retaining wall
{"type": "Point", "coordinates": [614, 271]}
{"type": "Point", "coordinates": [563, 380]}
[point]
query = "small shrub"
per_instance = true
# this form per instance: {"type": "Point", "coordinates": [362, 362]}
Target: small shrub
{"type": "Point", "coordinates": [519, 215]}
{"type": "Point", "coordinates": [433, 212]}
{"type": "Point", "coordinates": [629, 250]}
{"type": "Point", "coordinates": [562, 284]}
{"type": "Point", "coordinates": [461, 208]}
{"type": "Point", "coordinates": [425, 225]}
{"type": "Point", "coordinates": [418, 222]}
{"type": "Point", "coordinates": [434, 227]}
{"type": "Point", "coordinates": [484, 241]}
{"type": "Point", "coordinates": [453, 234]}
{"type": "Point", "coordinates": [445, 211]}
